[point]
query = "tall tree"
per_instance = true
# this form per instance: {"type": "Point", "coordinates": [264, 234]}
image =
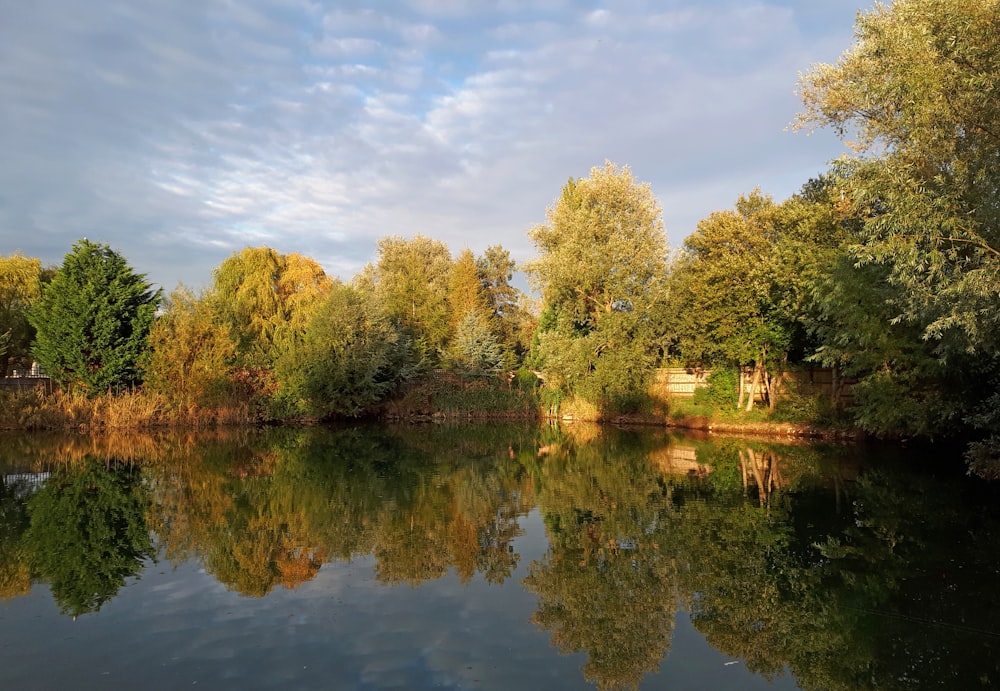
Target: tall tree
{"type": "Point", "coordinates": [93, 320]}
{"type": "Point", "coordinates": [511, 320]}
{"type": "Point", "coordinates": [465, 291]}
{"type": "Point", "coordinates": [919, 91]}
{"type": "Point", "coordinates": [474, 345]}
{"type": "Point", "coordinates": [410, 280]}
{"type": "Point", "coordinates": [602, 262]}
{"type": "Point", "coordinates": [266, 298]}
{"type": "Point", "coordinates": [738, 292]}
{"type": "Point", "coordinates": [20, 287]}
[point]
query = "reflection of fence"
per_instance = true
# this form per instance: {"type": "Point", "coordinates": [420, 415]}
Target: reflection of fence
{"type": "Point", "coordinates": [679, 460]}
{"type": "Point", "coordinates": [23, 484]}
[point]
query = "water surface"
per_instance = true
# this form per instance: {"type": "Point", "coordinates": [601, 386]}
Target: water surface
{"type": "Point", "coordinates": [491, 557]}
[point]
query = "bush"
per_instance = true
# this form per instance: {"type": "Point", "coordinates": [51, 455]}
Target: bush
{"type": "Point", "coordinates": [721, 391]}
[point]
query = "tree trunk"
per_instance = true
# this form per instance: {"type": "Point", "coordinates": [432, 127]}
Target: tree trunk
{"type": "Point", "coordinates": [754, 381]}
{"type": "Point", "coordinates": [776, 383]}
{"type": "Point", "coordinates": [835, 386]}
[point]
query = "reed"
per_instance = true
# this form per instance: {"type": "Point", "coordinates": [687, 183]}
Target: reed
{"type": "Point", "coordinates": [134, 409]}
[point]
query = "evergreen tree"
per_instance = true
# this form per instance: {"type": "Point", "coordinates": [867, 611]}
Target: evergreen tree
{"type": "Point", "coordinates": [93, 320]}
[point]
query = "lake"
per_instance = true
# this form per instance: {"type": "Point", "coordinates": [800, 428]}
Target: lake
{"type": "Point", "coordinates": [492, 557]}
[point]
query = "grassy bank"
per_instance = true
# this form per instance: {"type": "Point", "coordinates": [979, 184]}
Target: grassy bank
{"type": "Point", "coordinates": [436, 397]}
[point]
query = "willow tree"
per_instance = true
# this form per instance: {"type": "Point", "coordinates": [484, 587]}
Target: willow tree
{"type": "Point", "coordinates": [266, 299]}
{"type": "Point", "coordinates": [20, 287]}
{"type": "Point", "coordinates": [919, 92]}
{"type": "Point", "coordinates": [602, 261]}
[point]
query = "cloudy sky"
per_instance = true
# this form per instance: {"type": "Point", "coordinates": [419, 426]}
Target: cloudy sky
{"type": "Point", "coordinates": [180, 132]}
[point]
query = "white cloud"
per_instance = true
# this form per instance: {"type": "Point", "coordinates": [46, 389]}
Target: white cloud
{"type": "Point", "coordinates": [180, 132]}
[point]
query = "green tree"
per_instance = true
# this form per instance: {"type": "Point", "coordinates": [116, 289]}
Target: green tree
{"type": "Point", "coordinates": [474, 349]}
{"type": "Point", "coordinates": [92, 321]}
{"type": "Point", "coordinates": [919, 91]}
{"type": "Point", "coordinates": [728, 292]}
{"type": "Point", "coordinates": [600, 272]}
{"type": "Point", "coordinates": [465, 290]}
{"type": "Point", "coordinates": [20, 287]}
{"type": "Point", "coordinates": [351, 355]}
{"type": "Point", "coordinates": [511, 321]}
{"type": "Point", "coordinates": [410, 281]}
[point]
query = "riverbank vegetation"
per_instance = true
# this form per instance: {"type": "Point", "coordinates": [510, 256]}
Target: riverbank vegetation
{"type": "Point", "coordinates": [885, 269]}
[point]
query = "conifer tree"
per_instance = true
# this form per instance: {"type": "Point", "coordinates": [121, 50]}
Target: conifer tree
{"type": "Point", "coordinates": [92, 322]}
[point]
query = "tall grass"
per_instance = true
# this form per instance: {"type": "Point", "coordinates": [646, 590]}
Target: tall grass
{"type": "Point", "coordinates": [455, 396]}
{"type": "Point", "coordinates": [37, 410]}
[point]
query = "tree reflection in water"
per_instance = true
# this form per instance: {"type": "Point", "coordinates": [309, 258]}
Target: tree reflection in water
{"type": "Point", "coordinates": [792, 558]}
{"type": "Point", "coordinates": [88, 532]}
{"type": "Point", "coordinates": [605, 587]}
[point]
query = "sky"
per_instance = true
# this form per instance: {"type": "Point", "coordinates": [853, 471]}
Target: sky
{"type": "Point", "coordinates": [181, 132]}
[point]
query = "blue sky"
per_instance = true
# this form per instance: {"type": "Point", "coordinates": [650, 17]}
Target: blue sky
{"type": "Point", "coordinates": [181, 132]}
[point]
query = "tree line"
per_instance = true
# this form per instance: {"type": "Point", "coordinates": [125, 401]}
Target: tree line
{"type": "Point", "coordinates": [886, 268]}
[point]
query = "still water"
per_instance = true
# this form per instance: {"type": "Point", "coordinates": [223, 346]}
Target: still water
{"type": "Point", "coordinates": [493, 557]}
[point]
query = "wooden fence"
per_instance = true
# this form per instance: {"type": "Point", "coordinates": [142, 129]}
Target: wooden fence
{"type": "Point", "coordinates": [681, 382]}
{"type": "Point", "coordinates": [26, 384]}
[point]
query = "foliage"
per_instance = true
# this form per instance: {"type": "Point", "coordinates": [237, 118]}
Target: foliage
{"type": "Point", "coordinates": [511, 319]}
{"type": "Point", "coordinates": [20, 287]}
{"type": "Point", "coordinates": [349, 358]}
{"type": "Point", "coordinates": [601, 264]}
{"type": "Point", "coordinates": [442, 395]}
{"type": "Point", "coordinates": [720, 391]}
{"type": "Point", "coordinates": [739, 290]}
{"type": "Point", "coordinates": [410, 282]}
{"type": "Point", "coordinates": [525, 379]}
{"type": "Point", "coordinates": [192, 353]}
{"type": "Point", "coordinates": [93, 320]}
{"type": "Point", "coordinates": [88, 533]}
{"type": "Point", "coordinates": [475, 350]}
{"type": "Point", "coordinates": [265, 299]}
{"type": "Point", "coordinates": [724, 284]}
{"type": "Point", "coordinates": [465, 291]}
{"type": "Point", "coordinates": [918, 91]}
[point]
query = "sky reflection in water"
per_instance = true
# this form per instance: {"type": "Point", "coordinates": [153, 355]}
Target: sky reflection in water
{"type": "Point", "coordinates": [468, 558]}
